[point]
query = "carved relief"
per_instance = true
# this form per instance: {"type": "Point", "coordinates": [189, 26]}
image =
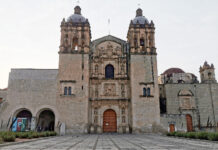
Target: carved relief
{"type": "Point", "coordinates": [108, 50]}
{"type": "Point", "coordinates": [109, 89]}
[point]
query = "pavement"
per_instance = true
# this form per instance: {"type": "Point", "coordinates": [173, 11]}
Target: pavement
{"type": "Point", "coordinates": [114, 142]}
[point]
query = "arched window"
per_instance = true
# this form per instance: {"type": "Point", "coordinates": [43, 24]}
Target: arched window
{"type": "Point", "coordinates": [75, 44]}
{"type": "Point", "coordinates": [148, 92]}
{"type": "Point", "coordinates": [142, 42]}
{"type": "Point", "coordinates": [69, 91]}
{"type": "Point", "coordinates": [144, 92]}
{"type": "Point", "coordinates": [135, 42]}
{"type": "Point", "coordinates": [109, 72]}
{"type": "Point", "coordinates": [65, 90]}
{"type": "Point", "coordinates": [209, 75]}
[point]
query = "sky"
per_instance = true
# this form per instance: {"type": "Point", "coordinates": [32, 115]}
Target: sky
{"type": "Point", "coordinates": [186, 30]}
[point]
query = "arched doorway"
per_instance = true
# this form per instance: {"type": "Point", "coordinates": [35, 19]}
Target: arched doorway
{"type": "Point", "coordinates": [109, 121]}
{"type": "Point", "coordinates": [22, 121]}
{"type": "Point", "coordinates": [46, 121]}
{"type": "Point", "coordinates": [189, 123]}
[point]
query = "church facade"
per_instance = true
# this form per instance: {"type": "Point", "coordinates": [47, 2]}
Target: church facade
{"type": "Point", "coordinates": [107, 85]}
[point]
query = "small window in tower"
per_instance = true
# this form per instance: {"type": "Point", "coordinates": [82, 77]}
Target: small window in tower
{"type": "Point", "coordinates": [209, 75]}
{"type": "Point", "coordinates": [135, 42]}
{"type": "Point", "coordinates": [66, 35]}
{"type": "Point", "coordinates": [148, 92]}
{"type": "Point", "coordinates": [142, 42]}
{"type": "Point", "coordinates": [65, 90]}
{"type": "Point", "coordinates": [83, 36]}
{"type": "Point", "coordinates": [144, 92]}
{"type": "Point", "coordinates": [69, 91]}
{"type": "Point", "coordinates": [76, 48]}
{"type": "Point", "coordinates": [75, 44]}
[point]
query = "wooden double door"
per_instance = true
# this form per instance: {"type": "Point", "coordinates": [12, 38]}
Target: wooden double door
{"type": "Point", "coordinates": [109, 121]}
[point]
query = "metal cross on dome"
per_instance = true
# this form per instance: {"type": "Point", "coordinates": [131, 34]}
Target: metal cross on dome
{"type": "Point", "coordinates": [139, 5]}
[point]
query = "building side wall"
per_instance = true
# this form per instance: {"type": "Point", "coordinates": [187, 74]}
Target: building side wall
{"type": "Point", "coordinates": [145, 110]}
{"type": "Point", "coordinates": [204, 103]}
{"type": "Point", "coordinates": [74, 72]}
{"type": "Point", "coordinates": [29, 89]}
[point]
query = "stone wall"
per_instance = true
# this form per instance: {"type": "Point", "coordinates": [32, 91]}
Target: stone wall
{"type": "Point", "coordinates": [74, 108]}
{"type": "Point", "coordinates": [145, 109]}
{"type": "Point", "coordinates": [30, 89]}
{"type": "Point", "coordinates": [202, 106]}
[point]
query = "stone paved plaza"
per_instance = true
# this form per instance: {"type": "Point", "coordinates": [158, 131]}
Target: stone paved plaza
{"type": "Point", "coordinates": [114, 142]}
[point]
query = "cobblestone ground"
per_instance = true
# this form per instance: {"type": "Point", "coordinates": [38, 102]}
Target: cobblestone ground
{"type": "Point", "coordinates": [114, 142]}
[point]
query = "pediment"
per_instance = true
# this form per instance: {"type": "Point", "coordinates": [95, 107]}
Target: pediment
{"type": "Point", "coordinates": [108, 47]}
{"type": "Point", "coordinates": [185, 93]}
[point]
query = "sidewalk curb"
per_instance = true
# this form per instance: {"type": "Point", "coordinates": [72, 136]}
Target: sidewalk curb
{"type": "Point", "coordinates": [32, 140]}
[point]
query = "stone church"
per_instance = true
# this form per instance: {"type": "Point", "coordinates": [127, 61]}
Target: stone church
{"type": "Point", "coordinates": [109, 85]}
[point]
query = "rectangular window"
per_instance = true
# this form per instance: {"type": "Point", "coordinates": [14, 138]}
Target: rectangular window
{"type": "Point", "coordinates": [65, 90]}
{"type": "Point", "coordinates": [69, 91]}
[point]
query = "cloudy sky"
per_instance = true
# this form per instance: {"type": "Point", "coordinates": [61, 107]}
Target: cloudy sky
{"type": "Point", "coordinates": [186, 30]}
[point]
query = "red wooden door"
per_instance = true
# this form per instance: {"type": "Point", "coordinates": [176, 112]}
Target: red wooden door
{"type": "Point", "coordinates": [172, 128]}
{"type": "Point", "coordinates": [110, 121]}
{"type": "Point", "coordinates": [189, 123]}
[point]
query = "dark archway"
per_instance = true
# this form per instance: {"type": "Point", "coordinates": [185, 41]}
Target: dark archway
{"type": "Point", "coordinates": [22, 122]}
{"type": "Point", "coordinates": [109, 72]}
{"type": "Point", "coordinates": [109, 121]}
{"type": "Point", "coordinates": [46, 121]}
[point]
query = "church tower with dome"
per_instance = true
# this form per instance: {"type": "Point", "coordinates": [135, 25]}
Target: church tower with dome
{"type": "Point", "coordinates": [143, 73]}
{"type": "Point", "coordinates": [73, 75]}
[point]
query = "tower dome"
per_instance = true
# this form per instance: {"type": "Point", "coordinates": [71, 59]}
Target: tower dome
{"type": "Point", "coordinates": [140, 19]}
{"type": "Point", "coordinates": [76, 17]}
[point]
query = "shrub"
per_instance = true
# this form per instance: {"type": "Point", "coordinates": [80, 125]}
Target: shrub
{"type": "Point", "coordinates": [8, 137]}
{"type": "Point", "coordinates": [42, 134]}
{"type": "Point", "coordinates": [190, 135]}
{"type": "Point", "coordinates": [201, 135]}
{"type": "Point", "coordinates": [23, 135]}
{"type": "Point", "coordinates": [213, 136]}
{"type": "Point", "coordinates": [180, 134]}
{"type": "Point", "coordinates": [171, 133]}
{"type": "Point", "coordinates": [35, 135]}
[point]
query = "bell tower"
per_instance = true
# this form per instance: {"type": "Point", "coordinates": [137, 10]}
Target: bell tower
{"type": "Point", "coordinates": [143, 74]}
{"type": "Point", "coordinates": [207, 73]}
{"type": "Point", "coordinates": [141, 35]}
{"type": "Point", "coordinates": [73, 76]}
{"type": "Point", "coordinates": [75, 33]}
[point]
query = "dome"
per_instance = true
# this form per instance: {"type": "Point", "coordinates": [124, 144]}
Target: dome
{"type": "Point", "coordinates": [76, 17]}
{"type": "Point", "coordinates": [140, 19]}
{"type": "Point", "coordinates": [173, 70]}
